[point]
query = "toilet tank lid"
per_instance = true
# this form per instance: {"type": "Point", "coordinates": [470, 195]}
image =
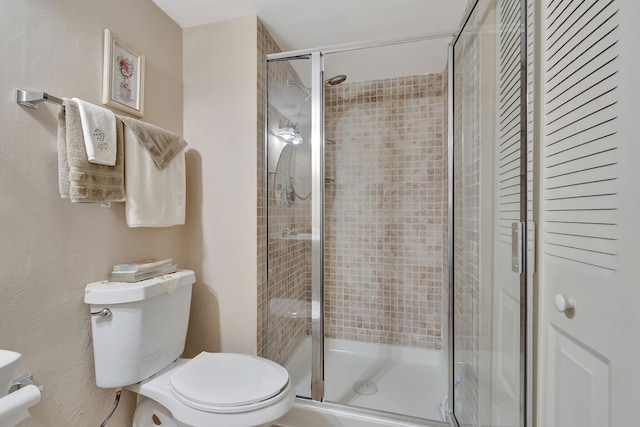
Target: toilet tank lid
{"type": "Point", "coordinates": [106, 292]}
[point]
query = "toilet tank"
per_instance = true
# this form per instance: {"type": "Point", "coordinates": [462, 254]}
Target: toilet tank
{"type": "Point", "coordinates": [145, 330]}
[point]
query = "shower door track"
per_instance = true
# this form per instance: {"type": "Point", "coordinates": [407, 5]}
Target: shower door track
{"type": "Point", "coordinates": [346, 47]}
{"type": "Point", "coordinates": [339, 409]}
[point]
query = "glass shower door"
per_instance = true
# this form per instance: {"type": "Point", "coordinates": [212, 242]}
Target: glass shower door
{"type": "Point", "coordinates": [292, 219]}
{"type": "Point", "coordinates": [385, 212]}
{"type": "Point", "coordinates": [489, 210]}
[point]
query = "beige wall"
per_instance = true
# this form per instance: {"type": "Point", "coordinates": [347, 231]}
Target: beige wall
{"type": "Point", "coordinates": [220, 123]}
{"type": "Point", "coordinates": [51, 248]}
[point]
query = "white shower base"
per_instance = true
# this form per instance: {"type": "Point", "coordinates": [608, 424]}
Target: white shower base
{"type": "Point", "coordinates": [410, 381]}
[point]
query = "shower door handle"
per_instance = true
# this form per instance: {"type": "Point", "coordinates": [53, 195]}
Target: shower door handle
{"type": "Point", "coordinates": [517, 247]}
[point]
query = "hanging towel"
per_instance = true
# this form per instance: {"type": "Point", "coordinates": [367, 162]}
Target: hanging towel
{"type": "Point", "coordinates": [161, 144]}
{"type": "Point", "coordinates": [80, 180]}
{"type": "Point", "coordinates": [99, 131]}
{"type": "Point", "coordinates": [63, 164]}
{"type": "Point", "coordinates": [155, 197]}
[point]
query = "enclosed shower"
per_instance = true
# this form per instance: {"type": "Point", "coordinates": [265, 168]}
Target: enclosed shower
{"type": "Point", "coordinates": [389, 199]}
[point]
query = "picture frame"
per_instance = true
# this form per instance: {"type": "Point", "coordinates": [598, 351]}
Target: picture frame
{"type": "Point", "coordinates": [123, 75]}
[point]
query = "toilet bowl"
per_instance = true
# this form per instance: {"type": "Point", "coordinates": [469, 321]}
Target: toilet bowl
{"type": "Point", "coordinates": [139, 330]}
{"type": "Point", "coordinates": [150, 413]}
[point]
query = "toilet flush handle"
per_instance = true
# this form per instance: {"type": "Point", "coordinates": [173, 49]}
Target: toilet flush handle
{"type": "Point", "coordinates": [105, 312]}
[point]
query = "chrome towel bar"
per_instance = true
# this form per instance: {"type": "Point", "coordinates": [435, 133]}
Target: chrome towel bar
{"type": "Point", "coordinates": [31, 99]}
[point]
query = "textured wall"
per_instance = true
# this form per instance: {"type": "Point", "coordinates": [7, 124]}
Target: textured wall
{"type": "Point", "coordinates": [50, 247]}
{"type": "Point", "coordinates": [385, 211]}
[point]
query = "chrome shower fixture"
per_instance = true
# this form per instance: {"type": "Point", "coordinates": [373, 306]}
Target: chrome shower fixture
{"type": "Point", "coordinates": [333, 81]}
{"type": "Point", "coordinates": [336, 80]}
{"type": "Point", "coordinates": [290, 135]}
{"type": "Point", "coordinates": [300, 86]}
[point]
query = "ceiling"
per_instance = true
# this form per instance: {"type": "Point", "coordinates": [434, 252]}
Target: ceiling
{"type": "Point", "coordinates": [305, 24]}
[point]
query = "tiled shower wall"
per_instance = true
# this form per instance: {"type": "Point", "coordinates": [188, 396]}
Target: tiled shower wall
{"type": "Point", "coordinates": [445, 230]}
{"type": "Point", "coordinates": [279, 331]}
{"type": "Point", "coordinates": [385, 211]}
{"type": "Point", "coordinates": [266, 45]}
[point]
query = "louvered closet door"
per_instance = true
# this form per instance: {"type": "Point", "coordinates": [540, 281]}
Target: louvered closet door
{"type": "Point", "coordinates": [590, 201]}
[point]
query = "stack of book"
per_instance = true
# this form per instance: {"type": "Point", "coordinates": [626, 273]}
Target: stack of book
{"type": "Point", "coordinates": [141, 270]}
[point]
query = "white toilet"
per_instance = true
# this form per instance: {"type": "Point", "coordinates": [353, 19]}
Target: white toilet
{"type": "Point", "coordinates": [139, 330]}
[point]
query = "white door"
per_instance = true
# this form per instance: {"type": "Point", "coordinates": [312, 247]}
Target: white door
{"type": "Point", "coordinates": [589, 356]}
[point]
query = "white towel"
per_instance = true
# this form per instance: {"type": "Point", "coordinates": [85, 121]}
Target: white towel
{"type": "Point", "coordinates": [99, 131]}
{"type": "Point", "coordinates": [154, 197]}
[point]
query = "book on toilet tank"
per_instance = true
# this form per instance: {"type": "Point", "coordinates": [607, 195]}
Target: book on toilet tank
{"type": "Point", "coordinates": [141, 266]}
{"type": "Point", "coordinates": [130, 277]}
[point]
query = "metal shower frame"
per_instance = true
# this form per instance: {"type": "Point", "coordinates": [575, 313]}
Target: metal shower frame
{"type": "Point", "coordinates": [317, 184]}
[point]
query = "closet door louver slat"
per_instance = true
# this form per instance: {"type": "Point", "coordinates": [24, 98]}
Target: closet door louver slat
{"type": "Point", "coordinates": [580, 192]}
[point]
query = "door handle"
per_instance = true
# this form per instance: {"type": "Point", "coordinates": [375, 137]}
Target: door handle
{"type": "Point", "coordinates": [562, 303]}
{"type": "Point", "coordinates": [518, 241]}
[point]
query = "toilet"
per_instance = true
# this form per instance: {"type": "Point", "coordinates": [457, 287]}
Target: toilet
{"type": "Point", "coordinates": [139, 331]}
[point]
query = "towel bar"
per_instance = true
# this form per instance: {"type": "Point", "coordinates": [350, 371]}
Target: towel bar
{"type": "Point", "coordinates": [31, 99]}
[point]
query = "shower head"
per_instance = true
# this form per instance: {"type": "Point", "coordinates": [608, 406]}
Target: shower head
{"type": "Point", "coordinates": [333, 81]}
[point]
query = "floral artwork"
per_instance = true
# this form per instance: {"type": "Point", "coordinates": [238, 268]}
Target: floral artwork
{"type": "Point", "coordinates": [124, 76]}
{"type": "Point", "coordinates": [124, 86]}
{"type": "Point", "coordinates": [126, 68]}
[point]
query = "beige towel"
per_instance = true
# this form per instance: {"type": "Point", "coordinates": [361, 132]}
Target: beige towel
{"type": "Point", "coordinates": [78, 179]}
{"type": "Point", "coordinates": [161, 144]}
{"type": "Point", "coordinates": [63, 164]}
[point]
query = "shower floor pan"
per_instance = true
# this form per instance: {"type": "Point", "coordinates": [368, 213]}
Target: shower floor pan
{"type": "Point", "coordinates": [401, 380]}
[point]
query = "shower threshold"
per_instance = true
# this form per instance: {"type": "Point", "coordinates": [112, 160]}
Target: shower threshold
{"type": "Point", "coordinates": [400, 380]}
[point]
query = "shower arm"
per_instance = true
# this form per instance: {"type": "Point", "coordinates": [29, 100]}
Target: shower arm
{"type": "Point", "coordinates": [299, 86]}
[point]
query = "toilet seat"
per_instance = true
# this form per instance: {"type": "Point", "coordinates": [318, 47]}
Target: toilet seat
{"type": "Point", "coordinates": [225, 382]}
{"type": "Point", "coordinates": [159, 389]}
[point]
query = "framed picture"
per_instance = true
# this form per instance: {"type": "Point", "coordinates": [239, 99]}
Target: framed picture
{"type": "Point", "coordinates": [123, 77]}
